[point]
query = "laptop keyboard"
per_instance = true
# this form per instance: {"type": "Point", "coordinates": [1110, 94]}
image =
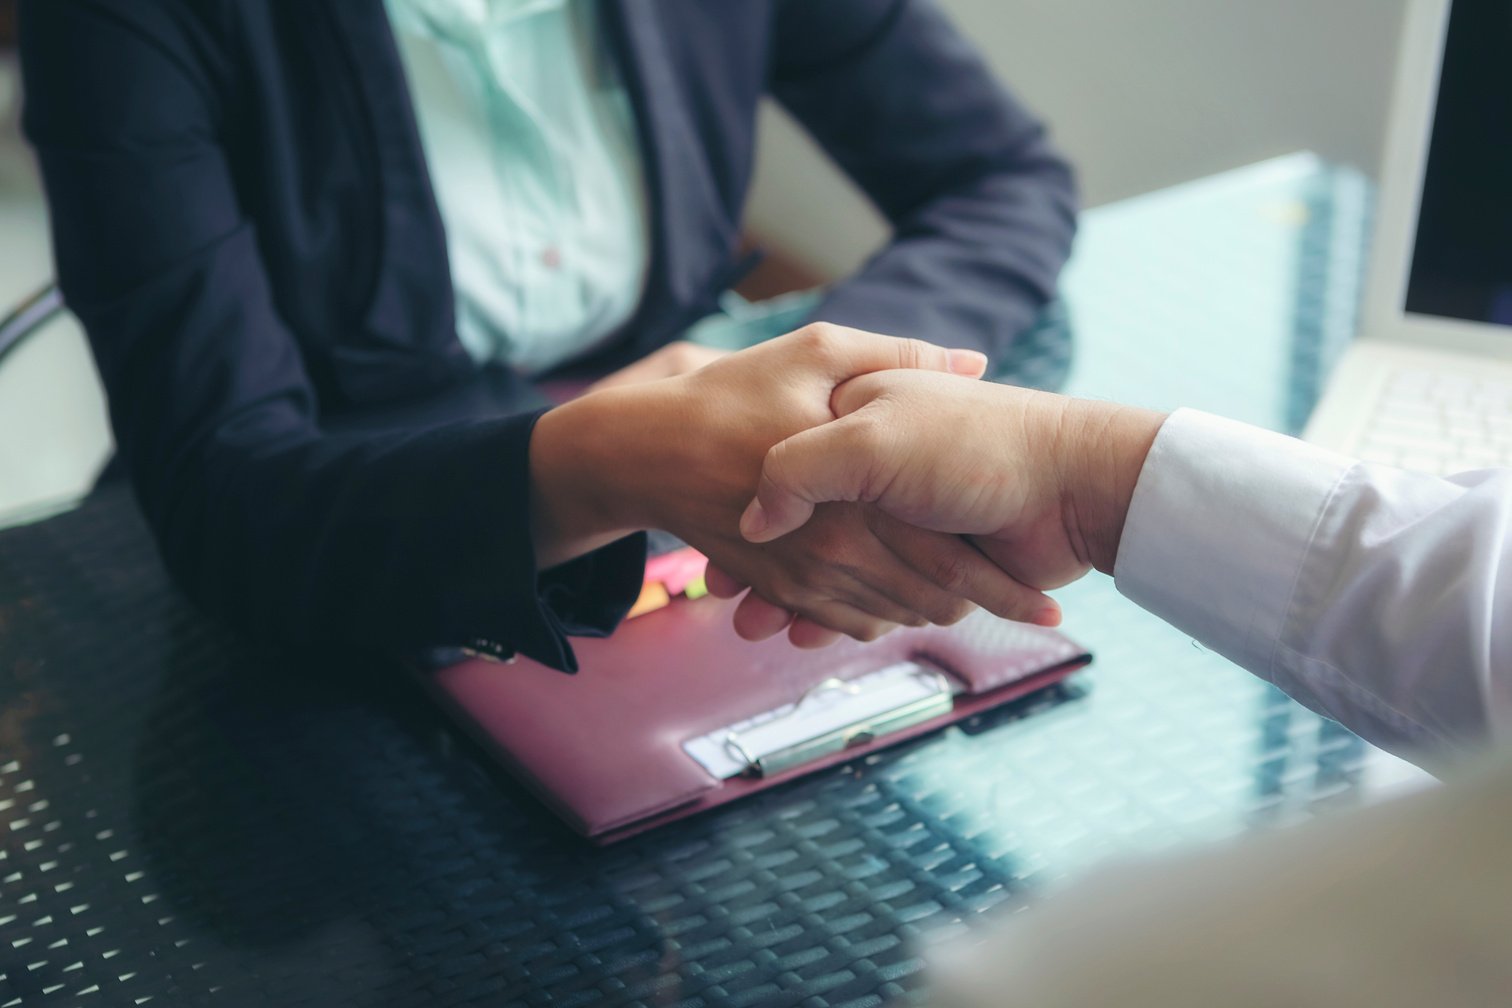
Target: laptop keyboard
{"type": "Point", "coordinates": [1441, 422]}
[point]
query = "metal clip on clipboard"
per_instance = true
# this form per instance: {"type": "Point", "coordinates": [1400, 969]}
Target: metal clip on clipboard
{"type": "Point", "coordinates": [831, 716]}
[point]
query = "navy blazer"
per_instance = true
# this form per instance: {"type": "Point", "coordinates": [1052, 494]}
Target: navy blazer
{"type": "Point", "coordinates": [244, 224]}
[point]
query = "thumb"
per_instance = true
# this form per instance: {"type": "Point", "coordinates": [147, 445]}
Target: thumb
{"type": "Point", "coordinates": [830, 462]}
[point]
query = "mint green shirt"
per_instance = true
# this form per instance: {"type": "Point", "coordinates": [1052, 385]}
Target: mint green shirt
{"type": "Point", "coordinates": [531, 143]}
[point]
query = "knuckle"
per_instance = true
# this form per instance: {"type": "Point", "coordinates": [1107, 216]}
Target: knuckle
{"type": "Point", "coordinates": [819, 339]}
{"type": "Point", "coordinates": [786, 592]}
{"type": "Point", "coordinates": [799, 590]}
{"type": "Point", "coordinates": [952, 573]}
{"type": "Point", "coordinates": [810, 336]}
{"type": "Point", "coordinates": [911, 353]}
{"type": "Point", "coordinates": [776, 465]}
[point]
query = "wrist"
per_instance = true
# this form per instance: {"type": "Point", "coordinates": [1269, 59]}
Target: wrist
{"type": "Point", "coordinates": [580, 453]}
{"type": "Point", "coordinates": [1101, 451]}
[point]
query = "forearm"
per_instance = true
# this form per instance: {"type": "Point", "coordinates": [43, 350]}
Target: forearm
{"type": "Point", "coordinates": [388, 542]}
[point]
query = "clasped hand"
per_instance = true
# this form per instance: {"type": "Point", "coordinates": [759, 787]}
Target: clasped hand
{"type": "Point", "coordinates": [1039, 483]}
{"type": "Point", "coordinates": [685, 453]}
{"type": "Point", "coordinates": [891, 487]}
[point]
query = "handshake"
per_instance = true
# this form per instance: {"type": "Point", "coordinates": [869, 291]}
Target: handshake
{"type": "Point", "coordinates": [848, 483]}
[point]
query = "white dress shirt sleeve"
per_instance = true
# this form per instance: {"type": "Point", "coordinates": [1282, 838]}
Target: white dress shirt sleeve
{"type": "Point", "coordinates": [1374, 596]}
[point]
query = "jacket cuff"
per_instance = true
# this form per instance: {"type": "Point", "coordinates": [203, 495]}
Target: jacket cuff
{"type": "Point", "coordinates": [511, 605]}
{"type": "Point", "coordinates": [589, 596]}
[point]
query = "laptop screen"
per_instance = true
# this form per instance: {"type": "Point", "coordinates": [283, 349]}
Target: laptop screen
{"type": "Point", "coordinates": [1462, 257]}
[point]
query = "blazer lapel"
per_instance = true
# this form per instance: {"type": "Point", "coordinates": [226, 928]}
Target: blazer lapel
{"type": "Point", "coordinates": [411, 309]}
{"type": "Point", "coordinates": [692, 242]}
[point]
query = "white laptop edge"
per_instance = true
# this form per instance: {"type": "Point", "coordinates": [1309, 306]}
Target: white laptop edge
{"type": "Point", "coordinates": [1390, 337]}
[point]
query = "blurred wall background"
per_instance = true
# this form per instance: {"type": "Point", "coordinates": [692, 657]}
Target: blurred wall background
{"type": "Point", "coordinates": [1141, 95]}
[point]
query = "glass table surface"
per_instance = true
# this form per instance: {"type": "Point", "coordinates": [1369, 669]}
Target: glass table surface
{"type": "Point", "coordinates": [182, 822]}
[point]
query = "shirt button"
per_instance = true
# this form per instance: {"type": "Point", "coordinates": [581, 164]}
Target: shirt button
{"type": "Point", "coordinates": [551, 257]}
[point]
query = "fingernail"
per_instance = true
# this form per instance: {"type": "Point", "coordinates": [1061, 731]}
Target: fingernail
{"type": "Point", "coordinates": [754, 521]}
{"type": "Point", "coordinates": [968, 362]}
{"type": "Point", "coordinates": [1050, 616]}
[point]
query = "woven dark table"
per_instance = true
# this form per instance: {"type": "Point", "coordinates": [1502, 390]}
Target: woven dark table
{"type": "Point", "coordinates": [183, 821]}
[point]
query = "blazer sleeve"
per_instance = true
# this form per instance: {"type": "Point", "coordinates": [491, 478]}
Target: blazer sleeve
{"type": "Point", "coordinates": [399, 540]}
{"type": "Point", "coordinates": [982, 207]}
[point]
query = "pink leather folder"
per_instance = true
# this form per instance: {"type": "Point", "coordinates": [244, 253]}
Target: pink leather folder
{"type": "Point", "coordinates": [607, 749]}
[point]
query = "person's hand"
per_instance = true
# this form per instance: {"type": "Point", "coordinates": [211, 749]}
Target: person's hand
{"type": "Point", "coordinates": [1040, 482]}
{"type": "Point", "coordinates": [684, 454]}
{"type": "Point", "coordinates": [674, 359]}
{"type": "Point", "coordinates": [857, 571]}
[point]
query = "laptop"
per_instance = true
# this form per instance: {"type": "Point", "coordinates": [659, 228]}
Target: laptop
{"type": "Point", "coordinates": [1427, 385]}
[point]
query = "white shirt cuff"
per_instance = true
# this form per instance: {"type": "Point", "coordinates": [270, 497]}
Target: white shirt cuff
{"type": "Point", "coordinates": [1220, 521]}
